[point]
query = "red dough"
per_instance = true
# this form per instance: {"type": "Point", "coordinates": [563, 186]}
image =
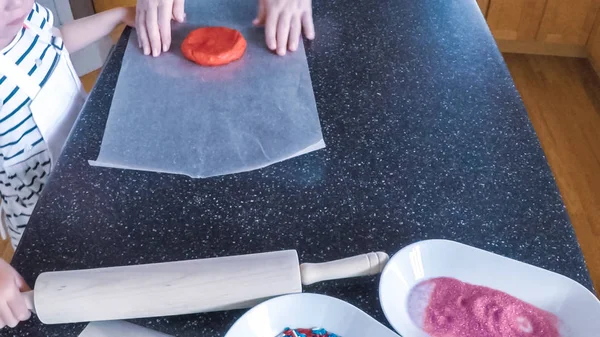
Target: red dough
{"type": "Point", "coordinates": [214, 46]}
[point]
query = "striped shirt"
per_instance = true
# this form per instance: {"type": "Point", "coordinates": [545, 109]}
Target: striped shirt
{"type": "Point", "coordinates": [19, 136]}
{"type": "Point", "coordinates": [24, 155]}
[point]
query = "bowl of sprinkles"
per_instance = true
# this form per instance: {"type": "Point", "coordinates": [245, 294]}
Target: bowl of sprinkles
{"type": "Point", "coordinates": [441, 288]}
{"type": "Point", "coordinates": [314, 332]}
{"type": "Point", "coordinates": [307, 315]}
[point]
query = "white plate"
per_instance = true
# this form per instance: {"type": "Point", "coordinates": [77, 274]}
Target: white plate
{"type": "Point", "coordinates": [118, 328]}
{"type": "Point", "coordinates": [577, 308]}
{"type": "Point", "coordinates": [269, 318]}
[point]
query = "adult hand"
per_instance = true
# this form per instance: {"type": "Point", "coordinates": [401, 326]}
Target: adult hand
{"type": "Point", "coordinates": [153, 23]}
{"type": "Point", "coordinates": [283, 21]}
{"type": "Point", "coordinates": [13, 307]}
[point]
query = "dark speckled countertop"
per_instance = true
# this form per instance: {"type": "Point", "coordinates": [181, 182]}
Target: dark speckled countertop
{"type": "Point", "coordinates": [426, 138]}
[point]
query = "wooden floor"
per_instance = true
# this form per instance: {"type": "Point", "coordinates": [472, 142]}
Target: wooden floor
{"type": "Point", "coordinates": [89, 80]}
{"type": "Point", "coordinates": [562, 96]}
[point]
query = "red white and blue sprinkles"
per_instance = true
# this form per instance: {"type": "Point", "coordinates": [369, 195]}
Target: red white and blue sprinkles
{"type": "Point", "coordinates": [287, 332]}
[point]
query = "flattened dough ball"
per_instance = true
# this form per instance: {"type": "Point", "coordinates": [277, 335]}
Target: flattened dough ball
{"type": "Point", "coordinates": [214, 46]}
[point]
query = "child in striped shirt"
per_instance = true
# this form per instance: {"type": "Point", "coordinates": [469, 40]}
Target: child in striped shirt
{"type": "Point", "coordinates": [40, 98]}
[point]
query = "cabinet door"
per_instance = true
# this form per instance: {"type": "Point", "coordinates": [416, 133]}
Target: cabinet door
{"type": "Point", "coordinates": [483, 4]}
{"type": "Point", "coordinates": [594, 45]}
{"type": "Point", "coordinates": [568, 22]}
{"type": "Point", "coordinates": [102, 5]}
{"type": "Point", "coordinates": [515, 19]}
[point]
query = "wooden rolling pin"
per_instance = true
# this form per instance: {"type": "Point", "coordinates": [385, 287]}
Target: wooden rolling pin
{"type": "Point", "coordinates": [183, 287]}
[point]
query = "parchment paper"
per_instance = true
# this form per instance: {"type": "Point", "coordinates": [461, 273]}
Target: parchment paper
{"type": "Point", "coordinates": [171, 115]}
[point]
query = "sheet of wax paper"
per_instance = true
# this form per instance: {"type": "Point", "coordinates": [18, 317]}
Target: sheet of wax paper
{"type": "Point", "coordinates": [171, 115]}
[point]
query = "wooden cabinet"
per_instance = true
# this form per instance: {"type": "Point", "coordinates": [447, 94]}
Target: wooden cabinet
{"type": "Point", "coordinates": [483, 5]}
{"type": "Point", "coordinates": [515, 19]}
{"type": "Point", "coordinates": [549, 27]}
{"type": "Point", "coordinates": [593, 46]}
{"type": "Point", "coordinates": [102, 5]}
{"type": "Point", "coordinates": [568, 22]}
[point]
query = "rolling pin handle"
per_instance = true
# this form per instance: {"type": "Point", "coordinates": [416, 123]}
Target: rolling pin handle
{"type": "Point", "coordinates": [28, 296]}
{"type": "Point", "coordinates": [360, 265]}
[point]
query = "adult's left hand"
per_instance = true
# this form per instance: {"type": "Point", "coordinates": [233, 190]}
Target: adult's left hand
{"type": "Point", "coordinates": [153, 23]}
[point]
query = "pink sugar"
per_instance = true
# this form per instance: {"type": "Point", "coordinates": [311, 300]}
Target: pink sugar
{"type": "Point", "coordinates": [458, 309]}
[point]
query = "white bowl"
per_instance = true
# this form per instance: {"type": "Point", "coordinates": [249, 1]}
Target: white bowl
{"type": "Point", "coordinates": [306, 310]}
{"type": "Point", "coordinates": [577, 308]}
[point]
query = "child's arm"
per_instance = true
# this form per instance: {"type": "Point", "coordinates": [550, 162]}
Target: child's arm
{"type": "Point", "coordinates": [80, 33]}
{"type": "Point", "coordinates": [13, 307]}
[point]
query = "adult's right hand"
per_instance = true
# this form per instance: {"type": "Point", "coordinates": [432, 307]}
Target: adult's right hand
{"type": "Point", "coordinates": [283, 20]}
{"type": "Point", "coordinates": [153, 23]}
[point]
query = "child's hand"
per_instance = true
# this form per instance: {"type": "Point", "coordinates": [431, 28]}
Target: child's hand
{"type": "Point", "coordinates": [129, 16]}
{"type": "Point", "coordinates": [283, 21]}
{"type": "Point", "coordinates": [12, 304]}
